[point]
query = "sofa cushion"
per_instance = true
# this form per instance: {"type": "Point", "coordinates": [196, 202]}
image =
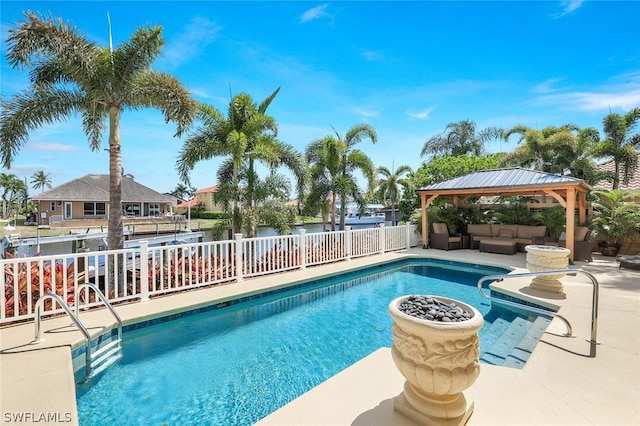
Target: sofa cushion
{"type": "Point", "coordinates": [440, 228]}
{"type": "Point", "coordinates": [505, 233]}
{"type": "Point", "coordinates": [581, 233]}
{"type": "Point", "coordinates": [496, 228]}
{"type": "Point", "coordinates": [479, 229]}
{"type": "Point", "coordinates": [528, 232]}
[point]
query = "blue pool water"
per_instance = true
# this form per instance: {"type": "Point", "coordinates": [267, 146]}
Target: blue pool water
{"type": "Point", "coordinates": [237, 364]}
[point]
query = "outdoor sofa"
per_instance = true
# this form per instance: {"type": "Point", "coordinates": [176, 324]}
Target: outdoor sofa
{"type": "Point", "coordinates": [499, 238]}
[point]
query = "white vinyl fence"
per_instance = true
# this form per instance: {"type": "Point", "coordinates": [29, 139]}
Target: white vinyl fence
{"type": "Point", "coordinates": [136, 274]}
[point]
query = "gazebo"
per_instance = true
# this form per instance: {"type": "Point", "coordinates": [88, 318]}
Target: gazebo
{"type": "Point", "coordinates": [569, 192]}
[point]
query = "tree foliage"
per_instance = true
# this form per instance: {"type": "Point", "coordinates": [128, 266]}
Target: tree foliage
{"type": "Point", "coordinates": [620, 144]}
{"type": "Point", "coordinates": [244, 137]}
{"type": "Point", "coordinates": [460, 138]}
{"type": "Point", "coordinates": [40, 180]}
{"type": "Point", "coordinates": [71, 75]}
{"type": "Point", "coordinates": [14, 194]}
{"type": "Point", "coordinates": [333, 163]}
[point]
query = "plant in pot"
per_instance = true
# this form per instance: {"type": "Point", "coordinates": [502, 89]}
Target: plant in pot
{"type": "Point", "coordinates": [615, 217]}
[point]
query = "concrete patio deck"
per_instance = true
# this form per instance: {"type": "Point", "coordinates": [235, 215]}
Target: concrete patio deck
{"type": "Point", "coordinates": [561, 384]}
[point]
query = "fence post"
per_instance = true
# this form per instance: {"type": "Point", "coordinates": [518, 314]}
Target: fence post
{"type": "Point", "coordinates": [144, 270]}
{"type": "Point", "coordinates": [238, 238]}
{"type": "Point", "coordinates": [302, 248]}
{"type": "Point", "coordinates": [408, 235]}
{"type": "Point", "coordinates": [381, 234]}
{"type": "Point", "coordinates": [348, 238]}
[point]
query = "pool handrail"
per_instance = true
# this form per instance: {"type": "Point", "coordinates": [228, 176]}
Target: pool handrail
{"type": "Point", "coordinates": [100, 294]}
{"type": "Point", "coordinates": [38, 325]}
{"type": "Point", "coordinates": [572, 272]}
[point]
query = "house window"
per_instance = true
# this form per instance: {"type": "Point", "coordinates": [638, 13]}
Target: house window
{"type": "Point", "coordinates": [131, 209]}
{"type": "Point", "coordinates": [53, 206]}
{"type": "Point", "coordinates": [154, 209]}
{"type": "Point", "coordinates": [95, 209]}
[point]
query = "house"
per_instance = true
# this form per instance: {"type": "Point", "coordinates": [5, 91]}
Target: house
{"type": "Point", "coordinates": [205, 198]}
{"type": "Point", "coordinates": [88, 198]}
{"type": "Point", "coordinates": [605, 185]}
{"type": "Point", "coordinates": [183, 207]}
{"type": "Point", "coordinates": [609, 166]}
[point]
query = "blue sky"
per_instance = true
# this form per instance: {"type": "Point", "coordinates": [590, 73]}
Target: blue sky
{"type": "Point", "coordinates": [405, 68]}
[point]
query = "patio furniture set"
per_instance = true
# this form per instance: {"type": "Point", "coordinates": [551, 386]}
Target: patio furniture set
{"type": "Point", "coordinates": [506, 239]}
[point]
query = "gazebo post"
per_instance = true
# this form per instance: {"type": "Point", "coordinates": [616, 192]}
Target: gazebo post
{"type": "Point", "coordinates": [571, 219]}
{"type": "Point", "coordinates": [425, 221]}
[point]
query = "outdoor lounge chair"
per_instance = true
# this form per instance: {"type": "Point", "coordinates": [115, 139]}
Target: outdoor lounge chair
{"type": "Point", "coordinates": [441, 239]}
{"type": "Point", "coordinates": [629, 261]}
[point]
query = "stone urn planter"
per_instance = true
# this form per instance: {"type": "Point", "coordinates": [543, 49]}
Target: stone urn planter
{"type": "Point", "coordinates": [547, 258]}
{"type": "Point", "coordinates": [438, 357]}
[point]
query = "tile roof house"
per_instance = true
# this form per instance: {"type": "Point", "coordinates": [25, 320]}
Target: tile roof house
{"type": "Point", "coordinates": [609, 166]}
{"type": "Point", "coordinates": [88, 198]}
{"type": "Point", "coordinates": [605, 185]}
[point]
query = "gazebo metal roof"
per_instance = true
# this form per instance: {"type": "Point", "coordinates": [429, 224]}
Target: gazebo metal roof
{"type": "Point", "coordinates": [513, 179]}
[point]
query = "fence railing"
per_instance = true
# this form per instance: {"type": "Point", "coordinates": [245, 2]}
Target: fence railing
{"type": "Point", "coordinates": [139, 273]}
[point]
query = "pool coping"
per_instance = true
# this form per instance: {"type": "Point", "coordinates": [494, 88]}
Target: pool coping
{"type": "Point", "coordinates": [31, 375]}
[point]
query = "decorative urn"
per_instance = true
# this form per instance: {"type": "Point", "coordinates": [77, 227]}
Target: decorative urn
{"type": "Point", "coordinates": [436, 348]}
{"type": "Point", "coordinates": [547, 258]}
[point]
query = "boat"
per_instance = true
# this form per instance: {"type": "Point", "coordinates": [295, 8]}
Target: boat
{"type": "Point", "coordinates": [371, 215]}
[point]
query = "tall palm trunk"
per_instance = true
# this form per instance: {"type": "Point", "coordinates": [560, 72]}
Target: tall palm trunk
{"type": "Point", "coordinates": [333, 212]}
{"type": "Point", "coordinates": [616, 176]}
{"type": "Point", "coordinates": [116, 232]}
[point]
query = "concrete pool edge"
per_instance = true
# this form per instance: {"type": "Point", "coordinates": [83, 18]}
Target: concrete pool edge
{"type": "Point", "coordinates": [24, 386]}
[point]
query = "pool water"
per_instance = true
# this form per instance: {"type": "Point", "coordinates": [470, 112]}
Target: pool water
{"type": "Point", "coordinates": [238, 364]}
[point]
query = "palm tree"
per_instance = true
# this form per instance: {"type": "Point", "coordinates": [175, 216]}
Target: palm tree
{"type": "Point", "coordinates": [538, 148]}
{"type": "Point", "coordinates": [71, 75]}
{"type": "Point", "coordinates": [323, 157]}
{"type": "Point", "coordinates": [333, 161]}
{"type": "Point", "coordinates": [388, 186]}
{"type": "Point", "coordinates": [41, 180]}
{"type": "Point", "coordinates": [14, 191]}
{"type": "Point", "coordinates": [245, 136]}
{"type": "Point", "coordinates": [620, 144]}
{"type": "Point", "coordinates": [576, 158]}
{"type": "Point", "coordinates": [459, 139]}
{"type": "Point", "coordinates": [181, 191]}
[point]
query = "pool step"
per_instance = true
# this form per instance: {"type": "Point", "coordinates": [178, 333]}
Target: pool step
{"type": "Point", "coordinates": [521, 352]}
{"type": "Point", "coordinates": [514, 346]}
{"type": "Point", "coordinates": [105, 356]}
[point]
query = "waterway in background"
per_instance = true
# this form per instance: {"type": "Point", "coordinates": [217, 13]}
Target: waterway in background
{"type": "Point", "coordinates": [93, 244]}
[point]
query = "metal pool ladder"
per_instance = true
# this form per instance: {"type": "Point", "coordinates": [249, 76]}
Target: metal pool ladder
{"type": "Point", "coordinates": [573, 272]}
{"type": "Point", "coordinates": [97, 361]}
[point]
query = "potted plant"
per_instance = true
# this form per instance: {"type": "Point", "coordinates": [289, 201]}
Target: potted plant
{"type": "Point", "coordinates": [615, 217]}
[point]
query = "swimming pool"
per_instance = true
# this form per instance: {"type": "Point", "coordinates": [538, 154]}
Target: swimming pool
{"type": "Point", "coordinates": [237, 364]}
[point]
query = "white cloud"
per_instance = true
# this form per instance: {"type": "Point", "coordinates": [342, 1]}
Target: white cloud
{"type": "Point", "coordinates": [420, 115]}
{"type": "Point", "coordinates": [191, 41]}
{"type": "Point", "coordinates": [623, 92]}
{"type": "Point", "coordinates": [546, 86]}
{"type": "Point", "coordinates": [568, 7]}
{"type": "Point", "coordinates": [317, 12]}
{"type": "Point", "coordinates": [51, 147]}
{"type": "Point", "coordinates": [366, 114]}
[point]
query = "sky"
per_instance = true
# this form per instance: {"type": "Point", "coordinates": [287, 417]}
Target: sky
{"type": "Point", "coordinates": [405, 68]}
